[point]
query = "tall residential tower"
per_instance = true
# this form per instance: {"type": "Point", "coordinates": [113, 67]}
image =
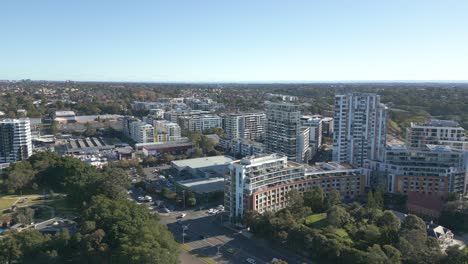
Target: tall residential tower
{"type": "Point", "coordinates": [360, 126]}
{"type": "Point", "coordinates": [285, 135]}
{"type": "Point", "coordinates": [15, 140]}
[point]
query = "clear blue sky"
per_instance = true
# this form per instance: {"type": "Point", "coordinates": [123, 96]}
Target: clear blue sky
{"type": "Point", "coordinates": [237, 40]}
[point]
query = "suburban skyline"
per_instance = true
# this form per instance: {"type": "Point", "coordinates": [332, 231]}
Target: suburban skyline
{"type": "Point", "coordinates": [214, 41]}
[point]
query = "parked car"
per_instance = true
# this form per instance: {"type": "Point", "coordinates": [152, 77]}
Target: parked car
{"type": "Point", "coordinates": [251, 260]}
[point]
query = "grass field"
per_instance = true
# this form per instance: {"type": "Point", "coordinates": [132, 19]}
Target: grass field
{"type": "Point", "coordinates": [317, 220]}
{"type": "Point", "coordinates": [56, 201]}
{"type": "Point", "coordinates": [320, 221]}
{"type": "Point", "coordinates": [342, 233]}
{"type": "Point", "coordinates": [6, 203]}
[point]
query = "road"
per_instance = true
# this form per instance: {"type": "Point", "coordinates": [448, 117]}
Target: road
{"type": "Point", "coordinates": [219, 243]}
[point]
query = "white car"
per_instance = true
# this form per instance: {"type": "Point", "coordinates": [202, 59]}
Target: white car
{"type": "Point", "coordinates": [251, 260]}
{"type": "Point", "coordinates": [182, 215]}
{"type": "Point", "coordinates": [212, 211]}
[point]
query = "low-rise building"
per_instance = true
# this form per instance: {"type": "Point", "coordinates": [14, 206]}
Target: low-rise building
{"type": "Point", "coordinates": [260, 183]}
{"type": "Point", "coordinates": [56, 225]}
{"type": "Point", "coordinates": [86, 146]}
{"type": "Point", "coordinates": [159, 148]}
{"type": "Point", "coordinates": [203, 167]}
{"type": "Point", "coordinates": [434, 170]}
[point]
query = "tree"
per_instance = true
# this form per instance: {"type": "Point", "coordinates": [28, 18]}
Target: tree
{"type": "Point", "coordinates": [393, 254]}
{"type": "Point", "coordinates": [54, 127]}
{"type": "Point", "coordinates": [379, 198]}
{"type": "Point", "coordinates": [20, 175]}
{"type": "Point", "coordinates": [24, 215]}
{"type": "Point", "coordinates": [454, 216]}
{"type": "Point", "coordinates": [89, 130]}
{"type": "Point", "coordinates": [131, 232]}
{"type": "Point", "coordinates": [376, 255]}
{"type": "Point", "coordinates": [333, 198]}
{"type": "Point", "coordinates": [413, 222]}
{"type": "Point", "coordinates": [197, 153]}
{"type": "Point", "coordinates": [455, 255]}
{"type": "Point", "coordinates": [337, 216]}
{"type": "Point", "coordinates": [371, 204]}
{"type": "Point", "coordinates": [28, 246]}
{"type": "Point", "coordinates": [388, 220]}
{"type": "Point", "coordinates": [295, 200]}
{"type": "Point", "coordinates": [164, 192]}
{"type": "Point", "coordinates": [314, 198]}
{"type": "Point", "coordinates": [114, 183]}
{"type": "Point", "coordinates": [192, 201]}
{"type": "Point", "coordinates": [168, 157]}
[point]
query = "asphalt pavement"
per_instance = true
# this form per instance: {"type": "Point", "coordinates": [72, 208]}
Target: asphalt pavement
{"type": "Point", "coordinates": [208, 237]}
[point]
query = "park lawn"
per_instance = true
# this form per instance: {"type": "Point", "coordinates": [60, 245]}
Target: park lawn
{"type": "Point", "coordinates": [6, 202]}
{"type": "Point", "coordinates": [55, 201]}
{"type": "Point", "coordinates": [317, 220]}
{"type": "Point", "coordinates": [342, 233]}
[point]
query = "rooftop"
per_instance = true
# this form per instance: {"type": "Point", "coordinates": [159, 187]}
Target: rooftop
{"type": "Point", "coordinates": [203, 162]}
{"type": "Point", "coordinates": [64, 113]}
{"type": "Point", "coordinates": [440, 123]}
{"type": "Point", "coordinates": [321, 167]}
{"type": "Point", "coordinates": [262, 158]}
{"type": "Point", "coordinates": [204, 185]}
{"type": "Point", "coordinates": [55, 225]}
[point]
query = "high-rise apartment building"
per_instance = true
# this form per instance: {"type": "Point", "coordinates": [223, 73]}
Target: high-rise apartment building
{"type": "Point", "coordinates": [198, 122]}
{"type": "Point", "coordinates": [166, 131]}
{"type": "Point", "coordinates": [15, 140]}
{"type": "Point", "coordinates": [314, 123]}
{"type": "Point", "coordinates": [436, 132]}
{"type": "Point", "coordinates": [260, 183]}
{"type": "Point", "coordinates": [285, 135]}
{"type": "Point", "coordinates": [248, 126]}
{"type": "Point", "coordinates": [142, 132]}
{"type": "Point", "coordinates": [359, 128]}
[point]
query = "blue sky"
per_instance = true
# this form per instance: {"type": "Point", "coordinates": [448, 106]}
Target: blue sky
{"type": "Point", "coordinates": [238, 40]}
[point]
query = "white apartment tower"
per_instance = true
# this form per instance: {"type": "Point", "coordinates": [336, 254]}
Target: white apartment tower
{"type": "Point", "coordinates": [249, 126]}
{"type": "Point", "coordinates": [359, 128]}
{"type": "Point", "coordinates": [285, 135]}
{"type": "Point", "coordinates": [142, 132]}
{"type": "Point", "coordinates": [315, 124]}
{"type": "Point", "coordinates": [166, 131]}
{"type": "Point", "coordinates": [15, 140]}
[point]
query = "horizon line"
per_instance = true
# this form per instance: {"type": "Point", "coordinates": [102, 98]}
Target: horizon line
{"type": "Point", "coordinates": [241, 82]}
